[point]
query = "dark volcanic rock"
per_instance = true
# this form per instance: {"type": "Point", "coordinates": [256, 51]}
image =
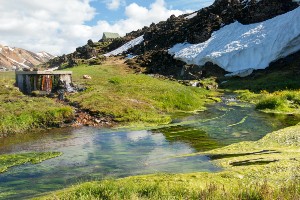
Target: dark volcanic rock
{"type": "Point", "coordinates": [85, 52]}
{"type": "Point", "coordinates": [160, 37]}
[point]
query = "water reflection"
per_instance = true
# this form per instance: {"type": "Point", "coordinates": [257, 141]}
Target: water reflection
{"type": "Point", "coordinates": [90, 154]}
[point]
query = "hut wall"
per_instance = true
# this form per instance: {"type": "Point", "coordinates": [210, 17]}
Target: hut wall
{"type": "Point", "coordinates": [20, 82]}
{"type": "Point", "coordinates": [67, 80]}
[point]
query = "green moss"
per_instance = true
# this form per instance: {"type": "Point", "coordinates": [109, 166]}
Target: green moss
{"type": "Point", "coordinates": [10, 160]}
{"type": "Point", "coordinates": [195, 137]}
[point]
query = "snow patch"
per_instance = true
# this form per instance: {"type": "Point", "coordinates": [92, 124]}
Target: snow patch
{"type": "Point", "coordinates": [246, 2]}
{"type": "Point", "coordinates": [126, 46]}
{"type": "Point", "coordinates": [130, 56]}
{"type": "Point", "coordinates": [16, 62]}
{"type": "Point", "coordinates": [52, 69]}
{"type": "Point", "coordinates": [191, 16]}
{"type": "Point", "coordinates": [241, 73]}
{"type": "Point", "coordinates": [44, 55]}
{"type": "Point", "coordinates": [238, 47]}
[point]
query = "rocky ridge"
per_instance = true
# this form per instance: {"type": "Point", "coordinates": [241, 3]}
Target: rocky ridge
{"type": "Point", "coordinates": [17, 58]}
{"type": "Point", "coordinates": [152, 56]}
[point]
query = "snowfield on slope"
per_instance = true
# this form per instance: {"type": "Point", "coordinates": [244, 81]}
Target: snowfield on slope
{"type": "Point", "coordinates": [126, 46]}
{"type": "Point", "coordinates": [237, 47]}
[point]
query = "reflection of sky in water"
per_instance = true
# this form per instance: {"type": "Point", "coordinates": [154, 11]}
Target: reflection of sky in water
{"type": "Point", "coordinates": [89, 154]}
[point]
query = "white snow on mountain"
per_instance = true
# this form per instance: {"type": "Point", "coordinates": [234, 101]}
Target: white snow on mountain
{"type": "Point", "coordinates": [237, 47]}
{"type": "Point", "coordinates": [18, 63]}
{"type": "Point", "coordinates": [13, 58]}
{"type": "Point", "coordinates": [191, 15]}
{"type": "Point", "coordinates": [44, 54]}
{"type": "Point", "coordinates": [126, 46]}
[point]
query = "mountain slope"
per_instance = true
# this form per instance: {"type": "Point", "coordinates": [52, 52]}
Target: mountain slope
{"type": "Point", "coordinates": [195, 28]}
{"type": "Point", "coordinates": [198, 28]}
{"type": "Point", "coordinates": [14, 58]}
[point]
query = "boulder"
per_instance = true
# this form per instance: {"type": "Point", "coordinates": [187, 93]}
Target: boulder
{"type": "Point", "coordinates": [86, 77]}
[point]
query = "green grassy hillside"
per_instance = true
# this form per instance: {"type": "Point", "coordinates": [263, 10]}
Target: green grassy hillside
{"type": "Point", "coordinates": [134, 98]}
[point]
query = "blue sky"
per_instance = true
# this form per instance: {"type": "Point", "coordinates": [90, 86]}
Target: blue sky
{"type": "Point", "coordinates": [103, 13]}
{"type": "Point", "coordinates": [59, 26]}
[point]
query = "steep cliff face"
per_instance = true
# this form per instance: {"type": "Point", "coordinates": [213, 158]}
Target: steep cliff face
{"type": "Point", "coordinates": [17, 58]}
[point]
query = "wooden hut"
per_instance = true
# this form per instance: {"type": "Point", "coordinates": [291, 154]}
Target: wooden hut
{"type": "Point", "coordinates": [107, 36]}
{"type": "Point", "coordinates": [46, 81]}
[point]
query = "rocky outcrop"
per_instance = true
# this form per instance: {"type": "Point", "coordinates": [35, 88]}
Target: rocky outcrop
{"type": "Point", "coordinates": [17, 58]}
{"type": "Point", "coordinates": [90, 54]}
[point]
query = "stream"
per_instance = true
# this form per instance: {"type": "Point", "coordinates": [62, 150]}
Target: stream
{"type": "Point", "coordinates": [96, 154]}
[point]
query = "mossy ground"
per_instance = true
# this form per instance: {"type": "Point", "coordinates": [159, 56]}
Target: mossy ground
{"type": "Point", "coordinates": [20, 113]}
{"type": "Point", "coordinates": [115, 90]}
{"type": "Point", "coordinates": [10, 160]}
{"type": "Point", "coordinates": [276, 178]}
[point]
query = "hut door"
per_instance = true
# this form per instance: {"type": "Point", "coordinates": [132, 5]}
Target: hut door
{"type": "Point", "coordinates": [47, 83]}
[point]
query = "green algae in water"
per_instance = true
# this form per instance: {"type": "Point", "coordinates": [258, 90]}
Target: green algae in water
{"type": "Point", "coordinates": [10, 160]}
{"type": "Point", "coordinates": [197, 138]}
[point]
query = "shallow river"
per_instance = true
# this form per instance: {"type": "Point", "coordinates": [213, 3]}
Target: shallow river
{"type": "Point", "coordinates": [94, 154]}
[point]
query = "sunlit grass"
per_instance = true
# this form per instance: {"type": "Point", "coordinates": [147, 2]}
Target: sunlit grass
{"type": "Point", "coordinates": [177, 187]}
{"type": "Point", "coordinates": [132, 98]}
{"type": "Point", "coordinates": [286, 101]}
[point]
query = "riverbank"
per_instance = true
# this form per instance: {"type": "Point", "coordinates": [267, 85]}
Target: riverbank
{"type": "Point", "coordinates": [265, 169]}
{"type": "Point", "coordinates": [114, 95]}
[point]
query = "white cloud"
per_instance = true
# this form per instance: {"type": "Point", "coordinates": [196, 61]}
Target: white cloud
{"type": "Point", "coordinates": [114, 4]}
{"type": "Point", "coordinates": [52, 25]}
{"type": "Point", "coordinates": [137, 17]}
{"type": "Point", "coordinates": [59, 26]}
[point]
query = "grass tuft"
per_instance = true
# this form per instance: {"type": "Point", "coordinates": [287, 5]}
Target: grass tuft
{"type": "Point", "coordinates": [286, 101]}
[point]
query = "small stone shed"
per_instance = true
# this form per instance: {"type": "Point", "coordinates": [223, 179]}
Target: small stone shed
{"type": "Point", "coordinates": [46, 81]}
{"type": "Point", "coordinates": [110, 36]}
